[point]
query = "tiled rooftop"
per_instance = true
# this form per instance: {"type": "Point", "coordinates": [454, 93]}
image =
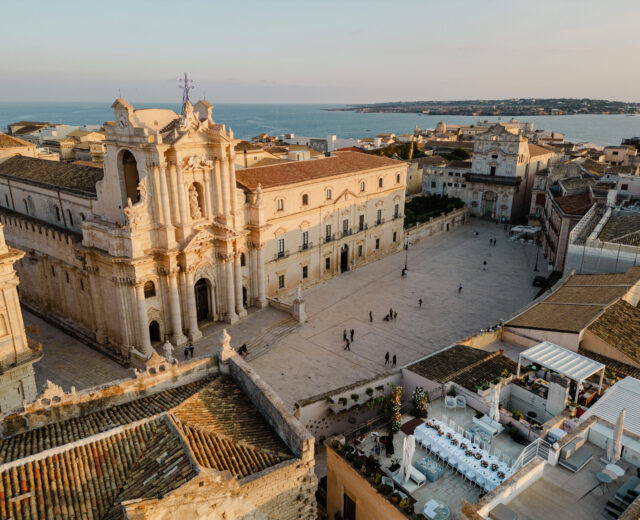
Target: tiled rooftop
{"type": "Point", "coordinates": [622, 229]}
{"type": "Point", "coordinates": [466, 366]}
{"type": "Point", "coordinates": [69, 177]}
{"type": "Point", "coordinates": [576, 303]}
{"type": "Point", "coordinates": [614, 365]}
{"type": "Point", "coordinates": [619, 326]}
{"type": "Point", "coordinates": [144, 452]}
{"type": "Point", "coordinates": [8, 141]}
{"type": "Point", "coordinates": [577, 204]}
{"type": "Point", "coordinates": [61, 433]}
{"type": "Point", "coordinates": [298, 171]}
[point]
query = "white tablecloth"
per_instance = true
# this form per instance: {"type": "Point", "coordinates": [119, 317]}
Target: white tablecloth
{"type": "Point", "coordinates": [441, 445]}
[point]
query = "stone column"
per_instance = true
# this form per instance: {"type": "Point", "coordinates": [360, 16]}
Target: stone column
{"type": "Point", "coordinates": [240, 310]}
{"type": "Point", "coordinates": [173, 194]}
{"type": "Point", "coordinates": [164, 194]}
{"type": "Point", "coordinates": [208, 206]}
{"type": "Point", "coordinates": [225, 188]}
{"type": "Point", "coordinates": [192, 312]}
{"type": "Point", "coordinates": [262, 300]}
{"type": "Point", "coordinates": [182, 200]}
{"type": "Point", "coordinates": [177, 337]}
{"type": "Point", "coordinates": [157, 195]}
{"type": "Point", "coordinates": [232, 317]}
{"type": "Point", "coordinates": [217, 182]}
{"type": "Point", "coordinates": [143, 322]}
{"type": "Point", "coordinates": [232, 187]}
{"type": "Point", "coordinates": [101, 335]}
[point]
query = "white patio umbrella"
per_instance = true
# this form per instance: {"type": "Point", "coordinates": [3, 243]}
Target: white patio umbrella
{"type": "Point", "coordinates": [615, 446]}
{"type": "Point", "coordinates": [494, 402]}
{"type": "Point", "coordinates": [408, 449]}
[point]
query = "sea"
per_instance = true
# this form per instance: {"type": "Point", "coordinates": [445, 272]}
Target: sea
{"type": "Point", "coordinates": [248, 120]}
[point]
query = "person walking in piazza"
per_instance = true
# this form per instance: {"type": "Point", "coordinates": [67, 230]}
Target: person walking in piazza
{"type": "Point", "coordinates": [394, 360]}
{"type": "Point", "coordinates": [390, 313]}
{"type": "Point", "coordinates": [420, 303]}
{"type": "Point", "coordinates": [459, 288]}
{"type": "Point", "coordinates": [191, 349]}
{"type": "Point", "coordinates": [351, 334]}
{"type": "Point", "coordinates": [186, 352]}
{"type": "Point", "coordinates": [386, 358]}
{"type": "Point", "coordinates": [344, 335]}
{"type": "Point", "coordinates": [348, 345]}
{"type": "Point", "coordinates": [370, 317]}
{"type": "Point", "coordinates": [395, 315]}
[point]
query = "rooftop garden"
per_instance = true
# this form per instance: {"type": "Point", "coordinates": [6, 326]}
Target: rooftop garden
{"type": "Point", "coordinates": [421, 209]}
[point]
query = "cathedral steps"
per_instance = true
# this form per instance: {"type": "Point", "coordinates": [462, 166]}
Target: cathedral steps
{"type": "Point", "coordinates": [261, 344]}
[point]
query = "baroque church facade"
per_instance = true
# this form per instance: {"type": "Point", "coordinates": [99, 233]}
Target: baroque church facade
{"type": "Point", "coordinates": [168, 235]}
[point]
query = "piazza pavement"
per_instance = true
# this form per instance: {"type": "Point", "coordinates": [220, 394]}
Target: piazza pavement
{"type": "Point", "coordinates": [311, 359]}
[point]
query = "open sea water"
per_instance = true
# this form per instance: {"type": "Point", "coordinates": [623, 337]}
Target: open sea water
{"type": "Point", "coordinates": [248, 120]}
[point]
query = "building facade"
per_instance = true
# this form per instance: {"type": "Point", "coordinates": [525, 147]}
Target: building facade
{"type": "Point", "coordinates": [497, 182]}
{"type": "Point", "coordinates": [17, 380]}
{"type": "Point", "coordinates": [166, 236]}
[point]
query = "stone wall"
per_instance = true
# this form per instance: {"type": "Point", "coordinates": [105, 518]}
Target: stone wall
{"type": "Point", "coordinates": [443, 223]}
{"type": "Point", "coordinates": [55, 405]}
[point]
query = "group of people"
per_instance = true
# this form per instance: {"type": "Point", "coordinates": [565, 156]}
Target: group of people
{"type": "Point", "coordinates": [393, 315]}
{"type": "Point", "coordinates": [393, 359]}
{"type": "Point", "coordinates": [243, 350]}
{"type": "Point", "coordinates": [492, 241]}
{"type": "Point", "coordinates": [348, 338]}
{"type": "Point", "coordinates": [188, 350]}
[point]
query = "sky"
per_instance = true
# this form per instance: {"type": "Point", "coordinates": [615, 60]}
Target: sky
{"type": "Point", "coordinates": [329, 51]}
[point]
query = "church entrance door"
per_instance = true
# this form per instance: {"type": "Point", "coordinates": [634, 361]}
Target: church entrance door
{"type": "Point", "coordinates": [154, 332]}
{"type": "Point", "coordinates": [203, 307]}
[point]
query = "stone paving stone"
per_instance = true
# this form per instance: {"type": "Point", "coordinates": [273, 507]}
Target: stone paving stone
{"type": "Point", "coordinates": [311, 360]}
{"type": "Point", "coordinates": [68, 362]}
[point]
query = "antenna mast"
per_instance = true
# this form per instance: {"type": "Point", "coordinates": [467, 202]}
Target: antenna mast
{"type": "Point", "coordinates": [186, 85]}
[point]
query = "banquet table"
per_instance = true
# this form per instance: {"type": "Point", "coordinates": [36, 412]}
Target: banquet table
{"type": "Point", "coordinates": [443, 446]}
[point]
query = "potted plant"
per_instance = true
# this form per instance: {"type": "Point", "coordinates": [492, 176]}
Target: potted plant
{"type": "Point", "coordinates": [452, 391]}
{"type": "Point", "coordinates": [483, 389]}
{"type": "Point", "coordinates": [343, 401]}
{"type": "Point", "coordinates": [357, 462]}
{"type": "Point", "coordinates": [517, 415]}
{"type": "Point", "coordinates": [572, 408]}
{"type": "Point", "coordinates": [395, 497]}
{"type": "Point", "coordinates": [420, 516]}
{"type": "Point", "coordinates": [376, 478]}
{"type": "Point", "coordinates": [420, 400]}
{"type": "Point", "coordinates": [385, 489]}
{"type": "Point", "coordinates": [404, 503]}
{"type": "Point", "coordinates": [395, 465]}
{"type": "Point", "coordinates": [369, 392]}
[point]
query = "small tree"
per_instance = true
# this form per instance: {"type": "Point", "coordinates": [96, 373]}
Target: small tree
{"type": "Point", "coordinates": [420, 401]}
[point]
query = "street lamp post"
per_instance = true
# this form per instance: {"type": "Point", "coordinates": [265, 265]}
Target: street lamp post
{"type": "Point", "coordinates": [537, 252]}
{"type": "Point", "coordinates": [406, 253]}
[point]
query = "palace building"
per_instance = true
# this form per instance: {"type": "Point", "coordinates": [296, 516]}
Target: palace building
{"type": "Point", "coordinates": [167, 235]}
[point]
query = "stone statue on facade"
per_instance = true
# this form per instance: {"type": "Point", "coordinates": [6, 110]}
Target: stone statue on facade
{"type": "Point", "coordinates": [167, 351]}
{"type": "Point", "coordinates": [196, 213]}
{"type": "Point", "coordinates": [258, 195]}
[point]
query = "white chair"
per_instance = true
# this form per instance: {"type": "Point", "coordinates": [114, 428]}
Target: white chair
{"type": "Point", "coordinates": [460, 430]}
{"type": "Point", "coordinates": [449, 401]}
{"type": "Point", "coordinates": [461, 401]}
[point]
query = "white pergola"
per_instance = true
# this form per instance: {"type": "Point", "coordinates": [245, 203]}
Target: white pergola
{"type": "Point", "coordinates": [564, 362]}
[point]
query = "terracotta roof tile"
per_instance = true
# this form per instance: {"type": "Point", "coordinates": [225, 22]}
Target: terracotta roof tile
{"type": "Point", "coordinates": [577, 204]}
{"type": "Point", "coordinates": [68, 177]}
{"type": "Point", "coordinates": [8, 141]}
{"type": "Point", "coordinates": [535, 150]}
{"type": "Point", "coordinates": [622, 369]}
{"type": "Point", "coordinates": [622, 229]}
{"type": "Point", "coordinates": [619, 326]}
{"type": "Point", "coordinates": [298, 171]}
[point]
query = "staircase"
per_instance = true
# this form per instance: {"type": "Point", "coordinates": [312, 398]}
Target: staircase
{"type": "Point", "coordinates": [537, 449]}
{"type": "Point", "coordinates": [261, 344]}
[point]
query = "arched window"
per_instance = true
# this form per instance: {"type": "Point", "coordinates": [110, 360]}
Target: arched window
{"type": "Point", "coordinates": [243, 260]}
{"type": "Point", "coordinates": [131, 176]}
{"type": "Point", "coordinates": [305, 200]}
{"type": "Point", "coordinates": [362, 186]}
{"type": "Point", "coordinates": [328, 193]}
{"type": "Point", "coordinates": [149, 289]}
{"type": "Point", "coordinates": [70, 217]}
{"type": "Point", "coordinates": [57, 213]}
{"type": "Point", "coordinates": [380, 182]}
{"type": "Point", "coordinates": [280, 204]}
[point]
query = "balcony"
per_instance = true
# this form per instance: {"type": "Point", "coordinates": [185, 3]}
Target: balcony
{"type": "Point", "coordinates": [396, 216]}
{"type": "Point", "coordinates": [281, 254]}
{"type": "Point", "coordinates": [379, 222]}
{"type": "Point", "coordinates": [306, 246]}
{"type": "Point", "coordinates": [329, 238]}
{"type": "Point", "coordinates": [363, 227]}
{"type": "Point", "coordinates": [347, 232]}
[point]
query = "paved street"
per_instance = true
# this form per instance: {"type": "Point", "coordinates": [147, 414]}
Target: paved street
{"type": "Point", "coordinates": [311, 360]}
{"type": "Point", "coordinates": [68, 362]}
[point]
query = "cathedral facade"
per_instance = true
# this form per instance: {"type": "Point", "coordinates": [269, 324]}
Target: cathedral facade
{"type": "Point", "coordinates": [168, 236]}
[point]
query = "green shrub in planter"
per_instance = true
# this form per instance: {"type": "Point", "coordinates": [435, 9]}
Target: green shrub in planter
{"type": "Point", "coordinates": [350, 456]}
{"type": "Point", "coordinates": [355, 397]}
{"type": "Point", "coordinates": [357, 462]}
{"type": "Point", "coordinates": [369, 391]}
{"type": "Point", "coordinates": [376, 478]}
{"type": "Point", "coordinates": [420, 516]}
{"type": "Point", "coordinates": [343, 401]}
{"type": "Point", "coordinates": [349, 449]}
{"type": "Point", "coordinates": [386, 489]}
{"type": "Point", "coordinates": [404, 503]}
{"type": "Point", "coordinates": [394, 467]}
